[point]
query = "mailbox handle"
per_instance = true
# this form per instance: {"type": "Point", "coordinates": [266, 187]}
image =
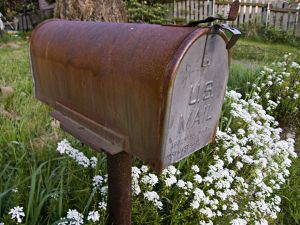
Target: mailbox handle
{"type": "Point", "coordinates": [232, 15]}
{"type": "Point", "coordinates": [235, 34]}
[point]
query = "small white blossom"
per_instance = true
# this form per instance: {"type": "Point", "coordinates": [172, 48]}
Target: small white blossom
{"type": "Point", "coordinates": [75, 217]}
{"type": "Point", "coordinates": [195, 168]}
{"type": "Point", "coordinates": [97, 181]}
{"type": "Point", "coordinates": [153, 197]}
{"type": "Point", "coordinates": [238, 221]}
{"type": "Point", "coordinates": [93, 216]}
{"type": "Point", "coordinates": [102, 205]}
{"type": "Point", "coordinates": [93, 161]}
{"type": "Point", "coordinates": [198, 178]}
{"type": "Point", "coordinates": [17, 213]}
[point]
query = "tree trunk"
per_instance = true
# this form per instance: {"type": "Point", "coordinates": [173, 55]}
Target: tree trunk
{"type": "Point", "coordinates": [95, 10]}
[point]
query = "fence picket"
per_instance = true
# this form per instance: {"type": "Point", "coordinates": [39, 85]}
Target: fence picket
{"type": "Point", "coordinates": [242, 13]}
{"type": "Point", "coordinates": [205, 14]}
{"type": "Point", "coordinates": [247, 12]}
{"type": "Point", "coordinates": [297, 32]}
{"type": "Point", "coordinates": [285, 21]}
{"type": "Point", "coordinates": [280, 15]}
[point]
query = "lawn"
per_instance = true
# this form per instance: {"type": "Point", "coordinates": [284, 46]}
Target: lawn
{"type": "Point", "coordinates": [47, 184]}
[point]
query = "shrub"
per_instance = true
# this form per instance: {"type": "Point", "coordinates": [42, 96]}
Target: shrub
{"type": "Point", "coordinates": [13, 7]}
{"type": "Point", "coordinates": [269, 34]}
{"type": "Point", "coordinates": [147, 12]}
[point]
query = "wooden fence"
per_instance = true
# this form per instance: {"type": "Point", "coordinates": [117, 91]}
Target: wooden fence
{"type": "Point", "coordinates": [281, 15]}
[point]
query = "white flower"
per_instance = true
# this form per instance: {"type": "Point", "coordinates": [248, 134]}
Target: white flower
{"type": "Point", "coordinates": [97, 181]}
{"type": "Point", "coordinates": [195, 168]}
{"type": "Point", "coordinates": [93, 161]}
{"type": "Point", "coordinates": [208, 212]}
{"type": "Point", "coordinates": [195, 204]}
{"type": "Point", "coordinates": [136, 189]}
{"type": "Point", "coordinates": [93, 216]}
{"type": "Point", "coordinates": [153, 197]}
{"type": "Point", "coordinates": [144, 169]}
{"type": "Point", "coordinates": [239, 165]}
{"type": "Point", "coordinates": [268, 70]}
{"type": "Point", "coordinates": [198, 178]}
{"type": "Point", "coordinates": [64, 147]}
{"type": "Point", "coordinates": [211, 192]}
{"type": "Point", "coordinates": [103, 190]}
{"type": "Point", "coordinates": [261, 222]}
{"type": "Point", "coordinates": [180, 184]}
{"type": "Point", "coordinates": [202, 222]}
{"type": "Point", "coordinates": [189, 185]}
{"type": "Point", "coordinates": [238, 221]}
{"type": "Point", "coordinates": [234, 206]}
{"type": "Point", "coordinates": [75, 217]}
{"type": "Point", "coordinates": [234, 95]}
{"type": "Point", "coordinates": [135, 172]}
{"type": "Point", "coordinates": [102, 205]}
{"type": "Point", "coordinates": [150, 179]}
{"type": "Point", "coordinates": [199, 194]}
{"type": "Point", "coordinates": [169, 181]}
{"type": "Point", "coordinates": [17, 213]}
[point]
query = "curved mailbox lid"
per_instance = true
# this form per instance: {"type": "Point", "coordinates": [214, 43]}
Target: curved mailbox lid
{"type": "Point", "coordinates": [195, 101]}
{"type": "Point", "coordinates": [115, 86]}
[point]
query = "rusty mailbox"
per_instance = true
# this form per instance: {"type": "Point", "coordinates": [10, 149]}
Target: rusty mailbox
{"type": "Point", "coordinates": [152, 91]}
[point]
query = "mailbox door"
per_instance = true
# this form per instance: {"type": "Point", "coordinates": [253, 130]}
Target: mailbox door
{"type": "Point", "coordinates": [196, 98]}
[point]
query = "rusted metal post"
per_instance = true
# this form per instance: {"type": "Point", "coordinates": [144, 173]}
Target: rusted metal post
{"type": "Point", "coordinates": [119, 188]}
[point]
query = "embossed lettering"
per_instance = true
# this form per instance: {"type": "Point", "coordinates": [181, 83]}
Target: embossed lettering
{"type": "Point", "coordinates": [194, 93]}
{"type": "Point", "coordinates": [207, 110]}
{"type": "Point", "coordinates": [186, 74]}
{"type": "Point", "coordinates": [197, 117]}
{"type": "Point", "coordinates": [188, 123]}
{"type": "Point", "coordinates": [208, 91]}
{"type": "Point", "coordinates": [181, 124]}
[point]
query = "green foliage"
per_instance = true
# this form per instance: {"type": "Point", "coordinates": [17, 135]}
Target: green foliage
{"type": "Point", "coordinates": [291, 198]}
{"type": "Point", "coordinates": [241, 73]}
{"type": "Point", "coordinates": [261, 53]}
{"type": "Point", "coordinates": [147, 12]}
{"type": "Point", "coordinates": [274, 35]}
{"type": "Point", "coordinates": [12, 7]}
{"type": "Point", "coordinates": [269, 34]}
{"type": "Point", "coordinates": [32, 175]}
{"type": "Point", "coordinates": [279, 84]}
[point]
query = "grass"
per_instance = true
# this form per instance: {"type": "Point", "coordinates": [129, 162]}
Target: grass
{"type": "Point", "coordinates": [261, 53]}
{"type": "Point", "coordinates": [27, 142]}
{"type": "Point", "coordinates": [51, 185]}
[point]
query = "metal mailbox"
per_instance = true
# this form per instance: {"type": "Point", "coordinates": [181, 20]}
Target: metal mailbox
{"type": "Point", "coordinates": [153, 91]}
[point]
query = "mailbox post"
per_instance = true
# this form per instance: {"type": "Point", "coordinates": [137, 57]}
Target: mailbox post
{"type": "Point", "coordinates": [119, 188]}
{"type": "Point", "coordinates": [150, 91]}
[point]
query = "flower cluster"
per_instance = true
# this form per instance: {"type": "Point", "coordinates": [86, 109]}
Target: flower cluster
{"type": "Point", "coordinates": [249, 164]}
{"type": "Point", "coordinates": [239, 181]}
{"type": "Point", "coordinates": [278, 87]}
{"type": "Point", "coordinates": [73, 218]}
{"type": "Point", "coordinates": [64, 147]}
{"type": "Point", "coordinates": [17, 213]}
